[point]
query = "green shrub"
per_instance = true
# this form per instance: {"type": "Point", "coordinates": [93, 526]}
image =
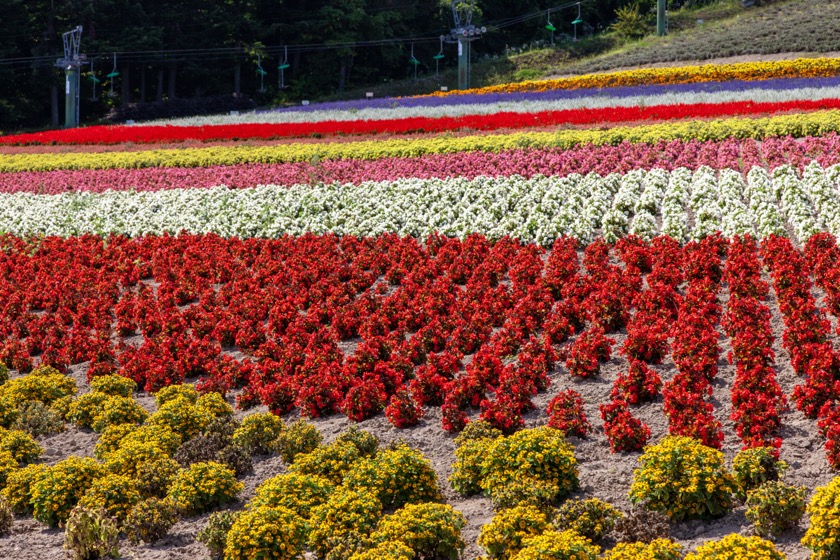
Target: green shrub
{"type": "Point", "coordinates": [258, 432]}
{"type": "Point", "coordinates": [823, 536]}
{"type": "Point", "coordinates": [116, 493]}
{"type": "Point", "coordinates": [630, 23]}
{"type": "Point", "coordinates": [275, 533]}
{"type": "Point", "coordinates": [23, 448]}
{"type": "Point", "coordinates": [199, 449]}
{"type": "Point", "coordinates": [222, 428]}
{"type": "Point", "coordinates": [182, 417]}
{"type": "Point", "coordinates": [350, 545]}
{"type": "Point", "coordinates": [365, 442]}
{"type": "Point", "coordinates": [118, 410]}
{"type": "Point", "coordinates": [236, 458]}
{"type": "Point", "coordinates": [641, 525]}
{"type": "Point", "coordinates": [154, 477]}
{"type": "Point", "coordinates": [345, 512]}
{"type": "Point", "coordinates": [18, 490]}
{"type": "Point", "coordinates": [552, 545]}
{"type": "Point", "coordinates": [7, 517]}
{"type": "Point", "coordinates": [84, 410]}
{"type": "Point", "coordinates": [60, 487]}
{"type": "Point", "coordinates": [214, 534]}
{"type": "Point", "coordinates": [4, 373]}
{"type": "Point", "coordinates": [683, 478]}
{"type": "Point", "coordinates": [202, 487]}
{"type": "Point", "coordinates": [43, 384]}
{"type": "Point", "coordinates": [149, 521]}
{"type": "Point", "coordinates": [297, 492]}
{"type": "Point", "coordinates": [116, 385]}
{"type": "Point", "coordinates": [37, 420]}
{"type": "Point", "coordinates": [397, 476]}
{"type": "Point", "coordinates": [753, 467]}
{"type": "Point", "coordinates": [503, 537]}
{"type": "Point", "coordinates": [775, 507]}
{"type": "Point", "coordinates": [174, 392]}
{"type": "Point", "coordinates": [591, 518]}
{"type": "Point", "coordinates": [658, 549]}
{"type": "Point", "coordinates": [430, 530]}
{"type": "Point", "coordinates": [329, 461]}
{"type": "Point", "coordinates": [540, 454]}
{"type": "Point", "coordinates": [300, 437]}
{"type": "Point", "coordinates": [737, 546]}
{"type": "Point", "coordinates": [91, 534]}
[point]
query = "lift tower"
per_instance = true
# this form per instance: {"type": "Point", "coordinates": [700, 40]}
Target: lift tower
{"type": "Point", "coordinates": [464, 33]}
{"type": "Point", "coordinates": [72, 65]}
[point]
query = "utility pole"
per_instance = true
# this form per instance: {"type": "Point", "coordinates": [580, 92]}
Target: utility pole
{"type": "Point", "coordinates": [72, 66]}
{"type": "Point", "coordinates": [464, 33]}
{"type": "Point", "coordinates": [661, 17]}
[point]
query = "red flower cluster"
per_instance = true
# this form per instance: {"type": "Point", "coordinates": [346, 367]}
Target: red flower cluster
{"type": "Point", "coordinates": [624, 431]}
{"type": "Point", "coordinates": [757, 398]}
{"type": "Point", "coordinates": [565, 413]}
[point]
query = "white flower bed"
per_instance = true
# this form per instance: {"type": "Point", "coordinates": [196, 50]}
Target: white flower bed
{"type": "Point", "coordinates": [538, 210]}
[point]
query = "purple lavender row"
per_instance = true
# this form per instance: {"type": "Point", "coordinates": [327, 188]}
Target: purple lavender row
{"type": "Point", "coordinates": [735, 154]}
{"type": "Point", "coordinates": [550, 95]}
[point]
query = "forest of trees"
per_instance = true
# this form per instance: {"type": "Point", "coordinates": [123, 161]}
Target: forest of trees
{"type": "Point", "coordinates": [170, 49]}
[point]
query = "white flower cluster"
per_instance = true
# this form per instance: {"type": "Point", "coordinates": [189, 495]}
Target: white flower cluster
{"type": "Point", "coordinates": [681, 203]}
{"type": "Point", "coordinates": [458, 108]}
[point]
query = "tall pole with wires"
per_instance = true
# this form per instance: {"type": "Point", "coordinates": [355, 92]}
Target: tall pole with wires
{"type": "Point", "coordinates": [72, 66]}
{"type": "Point", "coordinates": [661, 17]}
{"type": "Point", "coordinates": [464, 33]}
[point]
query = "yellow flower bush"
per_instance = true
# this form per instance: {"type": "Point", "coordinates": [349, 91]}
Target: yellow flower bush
{"type": "Point", "coordinates": [84, 410]}
{"type": "Point", "coordinates": [127, 459]}
{"type": "Point", "coordinates": [149, 521]}
{"type": "Point", "coordinates": [181, 416]}
{"type": "Point", "coordinates": [659, 549]}
{"type": "Point", "coordinates": [347, 511]}
{"type": "Point", "coordinates": [365, 442]}
{"type": "Point", "coordinates": [21, 445]}
{"type": "Point", "coordinates": [8, 465]}
{"type": "Point", "coordinates": [160, 435]}
{"type": "Point", "coordinates": [111, 438]}
{"type": "Point", "coordinates": [469, 458]}
{"type": "Point", "coordinates": [430, 530]}
{"type": "Point", "coordinates": [258, 432]}
{"type": "Point", "coordinates": [774, 507]}
{"type": "Point", "coordinates": [116, 385]}
{"type": "Point", "coordinates": [539, 454]}
{"type": "Point", "coordinates": [155, 477]}
{"type": "Point", "coordinates": [753, 466]}
{"type": "Point", "coordinates": [58, 489]}
{"type": "Point", "coordinates": [737, 546]}
{"type": "Point", "coordinates": [592, 518]}
{"type": "Point", "coordinates": [18, 490]}
{"type": "Point", "coordinates": [328, 461]}
{"type": "Point", "coordinates": [398, 475]}
{"type": "Point", "coordinates": [815, 123]}
{"type": "Point", "coordinates": [118, 410]}
{"type": "Point", "coordinates": [9, 412]}
{"type": "Point", "coordinates": [823, 536]}
{"type": "Point", "coordinates": [504, 536]}
{"type": "Point", "coordinates": [215, 405]}
{"type": "Point", "coordinates": [552, 545]}
{"type": "Point", "coordinates": [202, 487]}
{"type": "Point", "coordinates": [682, 478]}
{"type": "Point", "coordinates": [43, 384]}
{"type": "Point", "coordinates": [116, 493]}
{"type": "Point", "coordinates": [173, 392]}
{"type": "Point", "coordinates": [265, 532]}
{"type": "Point", "coordinates": [297, 492]}
{"type": "Point", "coordinates": [300, 437]}
{"type": "Point", "coordinates": [386, 551]}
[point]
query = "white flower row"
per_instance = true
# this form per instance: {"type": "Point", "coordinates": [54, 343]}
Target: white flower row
{"type": "Point", "coordinates": [457, 110]}
{"type": "Point", "coordinates": [684, 204]}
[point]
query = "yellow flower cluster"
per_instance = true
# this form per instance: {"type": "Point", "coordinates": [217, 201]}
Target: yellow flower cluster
{"type": "Point", "coordinates": [553, 545]}
{"type": "Point", "coordinates": [592, 518]}
{"type": "Point", "coordinates": [774, 507]}
{"type": "Point", "coordinates": [20, 446]}
{"type": "Point", "coordinates": [113, 385]}
{"type": "Point", "coordinates": [202, 487]}
{"type": "Point", "coordinates": [258, 432]}
{"type": "Point", "coordinates": [753, 466]}
{"type": "Point", "coordinates": [8, 465]}
{"type": "Point", "coordinates": [266, 533]}
{"type": "Point", "coordinates": [682, 478]}
{"type": "Point", "coordinates": [43, 384]}
{"type": "Point", "coordinates": [504, 536]}
{"type": "Point", "coordinates": [798, 125]}
{"type": "Point", "coordinates": [823, 536]}
{"type": "Point", "coordinates": [328, 461]}
{"type": "Point", "coordinates": [300, 437]}
{"type": "Point", "coordinates": [128, 458]}
{"type": "Point", "coordinates": [749, 71]}
{"type": "Point", "coordinates": [386, 551]}
{"type": "Point", "coordinates": [297, 492]}
{"type": "Point", "coordinates": [59, 488]}
{"type": "Point", "coordinates": [347, 511]}
{"type": "Point", "coordinates": [737, 546]}
{"type": "Point", "coordinates": [174, 392]}
{"type": "Point", "coordinates": [182, 417]}
{"type": "Point", "coordinates": [116, 493]}
{"type": "Point", "coordinates": [18, 490]}
{"type": "Point", "coordinates": [430, 530]}
{"type": "Point", "coordinates": [469, 457]}
{"type": "Point", "coordinates": [118, 410]}
{"type": "Point", "coordinates": [658, 549]}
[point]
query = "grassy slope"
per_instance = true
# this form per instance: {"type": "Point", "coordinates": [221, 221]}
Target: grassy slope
{"type": "Point", "coordinates": [728, 30]}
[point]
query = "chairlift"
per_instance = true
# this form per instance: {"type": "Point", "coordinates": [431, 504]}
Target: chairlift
{"type": "Point", "coordinates": [549, 25]}
{"type": "Point", "coordinates": [438, 57]}
{"type": "Point", "coordinates": [283, 67]}
{"type": "Point", "coordinates": [414, 62]}
{"type": "Point", "coordinates": [577, 21]}
{"type": "Point", "coordinates": [93, 80]}
{"type": "Point", "coordinates": [261, 73]}
{"type": "Point", "coordinates": [112, 75]}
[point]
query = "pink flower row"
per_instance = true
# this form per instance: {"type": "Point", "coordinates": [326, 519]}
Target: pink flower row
{"type": "Point", "coordinates": [729, 154]}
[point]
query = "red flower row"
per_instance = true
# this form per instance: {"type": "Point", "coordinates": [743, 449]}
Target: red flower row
{"type": "Point", "coordinates": [503, 120]}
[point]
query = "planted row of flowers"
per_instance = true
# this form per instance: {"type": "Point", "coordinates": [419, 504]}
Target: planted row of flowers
{"type": "Point", "coordinates": [799, 68]}
{"type": "Point", "coordinates": [538, 210]}
{"type": "Point", "coordinates": [800, 125]}
{"type": "Point", "coordinates": [398, 126]}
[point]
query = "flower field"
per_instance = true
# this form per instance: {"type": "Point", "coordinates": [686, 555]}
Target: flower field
{"type": "Point", "coordinates": [591, 317]}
